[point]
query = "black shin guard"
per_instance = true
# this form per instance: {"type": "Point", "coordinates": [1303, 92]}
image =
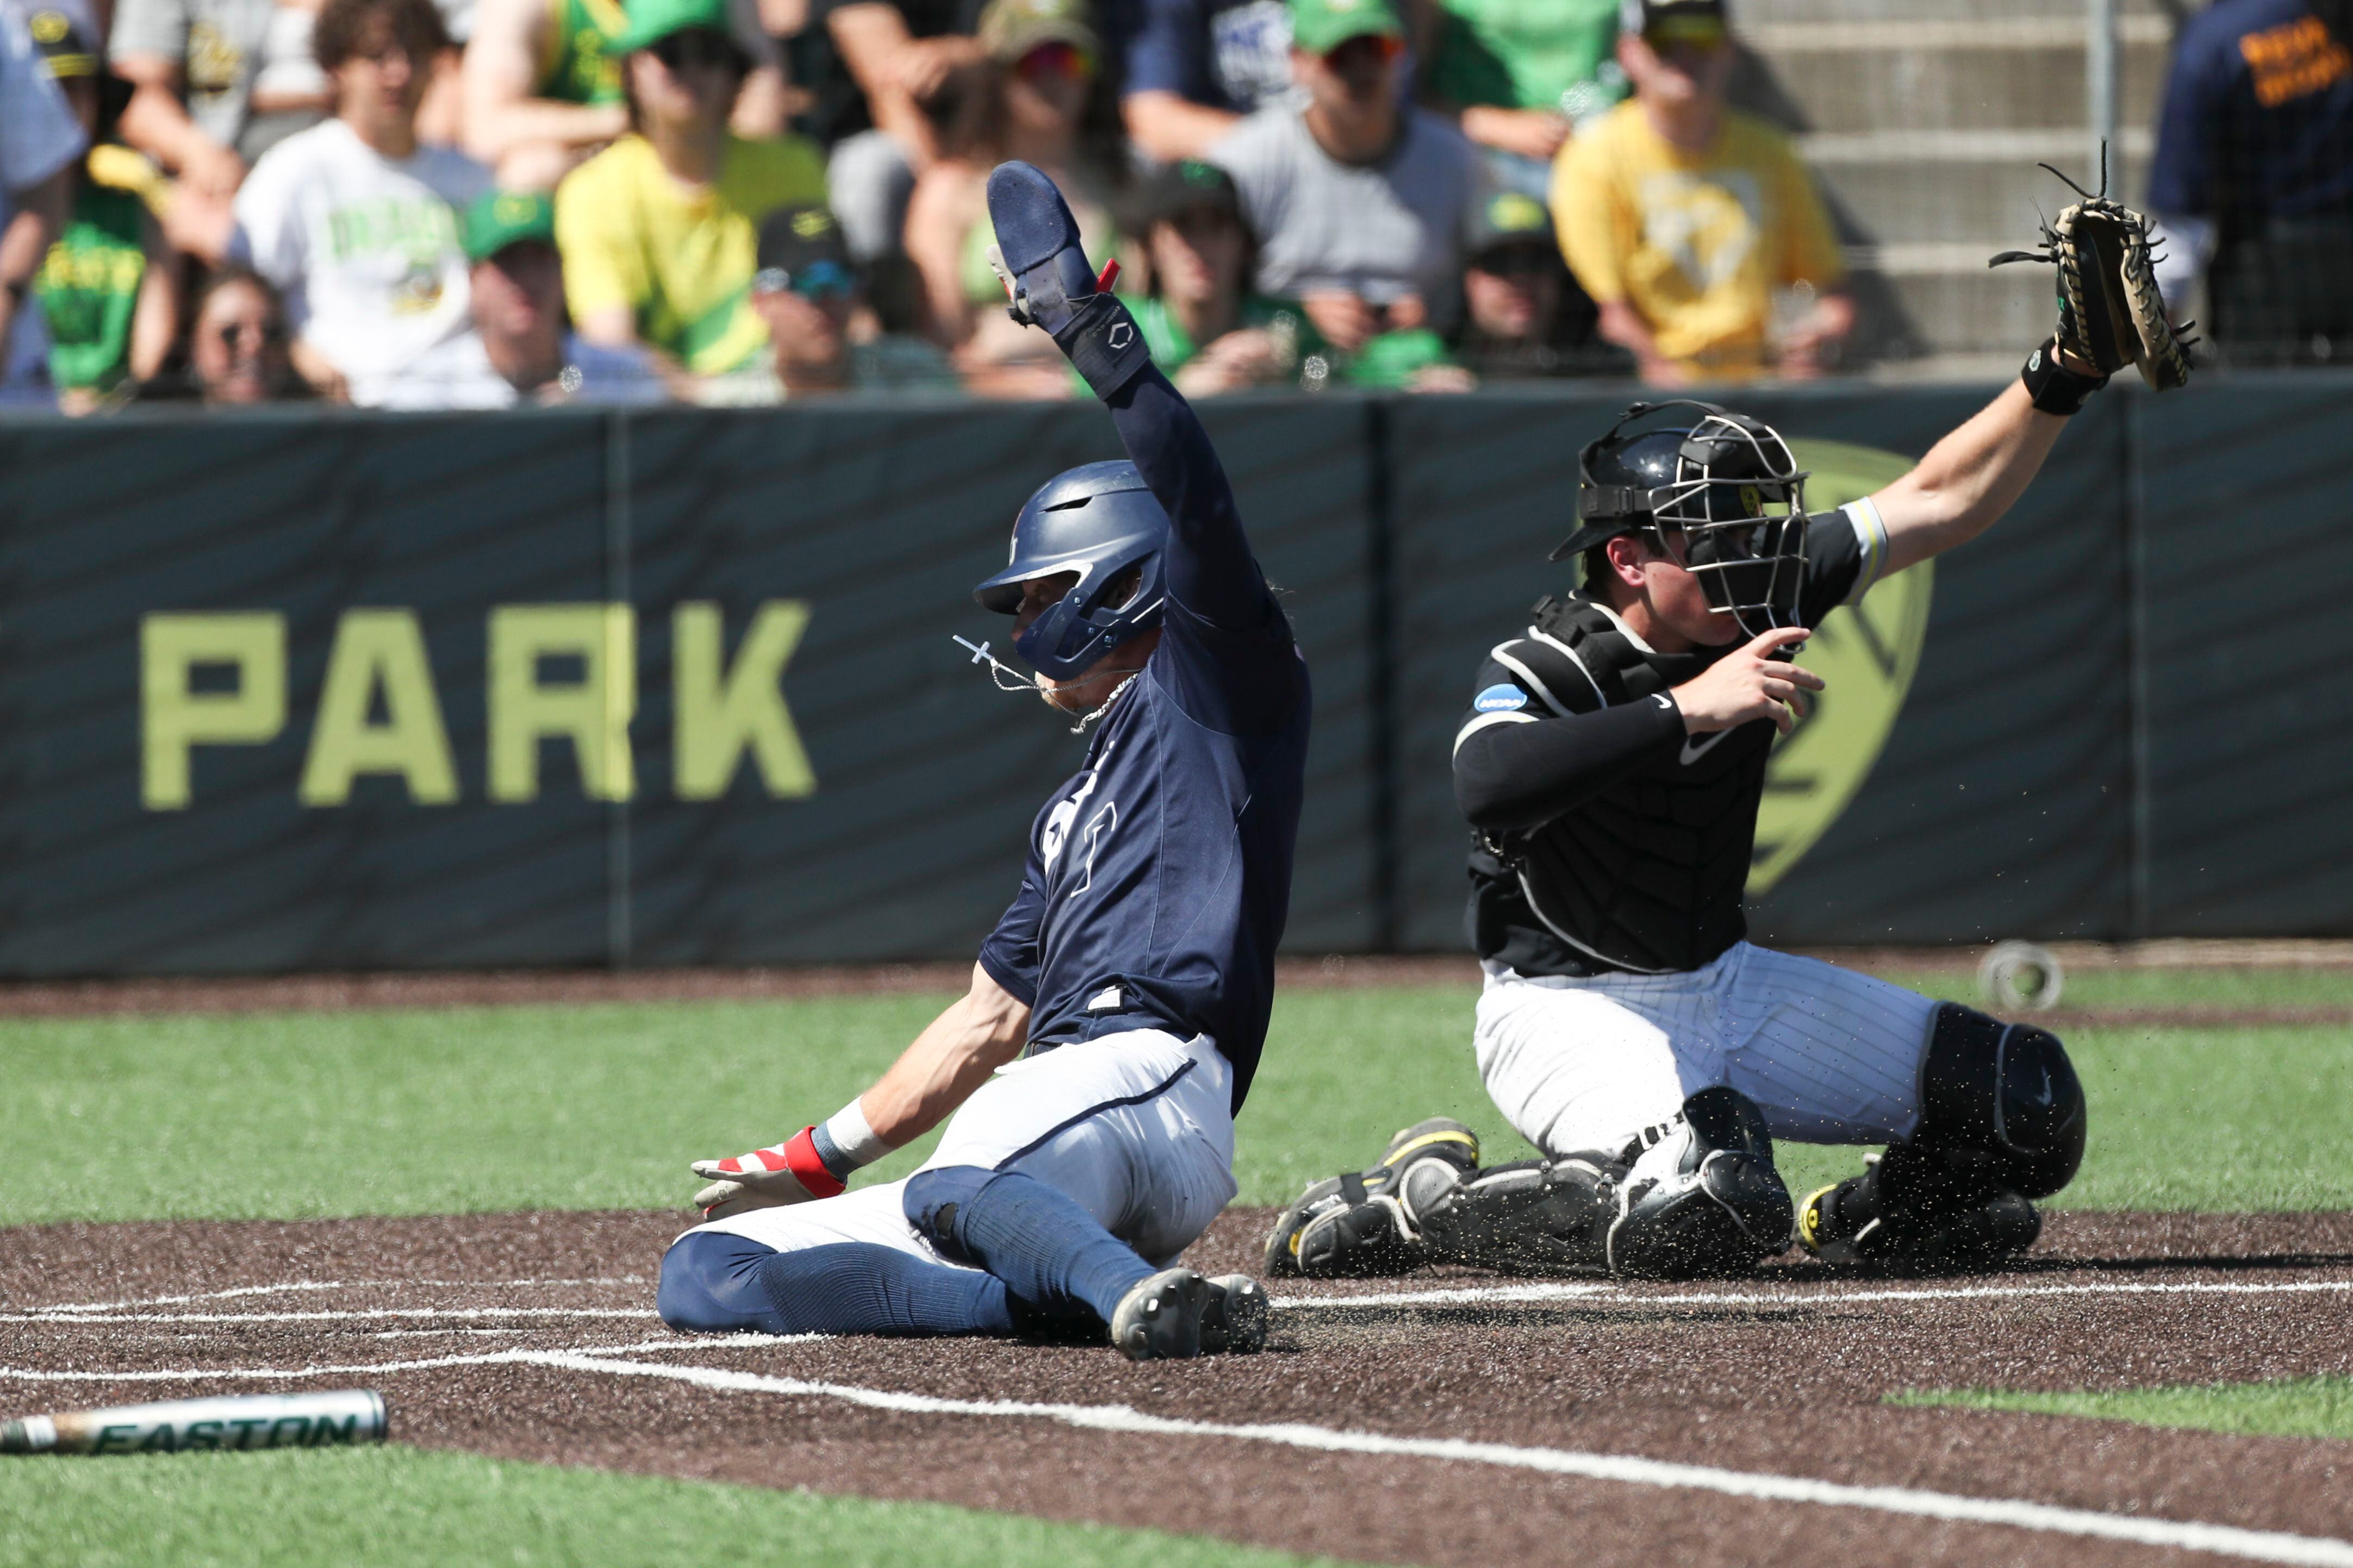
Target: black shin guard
{"type": "Point", "coordinates": [1531, 1216]}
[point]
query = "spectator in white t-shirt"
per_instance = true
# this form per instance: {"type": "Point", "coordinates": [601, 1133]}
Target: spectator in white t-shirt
{"type": "Point", "coordinates": [518, 287]}
{"type": "Point", "coordinates": [356, 223]}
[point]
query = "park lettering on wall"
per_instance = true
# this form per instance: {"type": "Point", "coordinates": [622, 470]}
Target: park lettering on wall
{"type": "Point", "coordinates": [567, 672]}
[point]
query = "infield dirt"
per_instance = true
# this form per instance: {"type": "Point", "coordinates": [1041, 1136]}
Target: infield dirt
{"type": "Point", "coordinates": [1784, 1374]}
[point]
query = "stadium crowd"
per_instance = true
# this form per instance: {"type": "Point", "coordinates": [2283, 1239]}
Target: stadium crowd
{"type": "Point", "coordinates": [482, 204]}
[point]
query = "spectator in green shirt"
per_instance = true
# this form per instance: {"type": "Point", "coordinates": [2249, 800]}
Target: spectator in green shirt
{"type": "Point", "coordinates": [1205, 332]}
{"type": "Point", "coordinates": [1209, 335]}
{"type": "Point", "coordinates": [109, 286]}
{"type": "Point", "coordinates": [1523, 74]}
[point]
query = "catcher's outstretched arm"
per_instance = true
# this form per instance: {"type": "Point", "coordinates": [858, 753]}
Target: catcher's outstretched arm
{"type": "Point", "coordinates": [1968, 479]}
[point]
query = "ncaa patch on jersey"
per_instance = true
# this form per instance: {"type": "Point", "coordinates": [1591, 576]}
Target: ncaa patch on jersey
{"type": "Point", "coordinates": [1500, 700]}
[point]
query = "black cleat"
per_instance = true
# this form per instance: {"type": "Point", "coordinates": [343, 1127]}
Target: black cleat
{"type": "Point", "coordinates": [1234, 1319]}
{"type": "Point", "coordinates": [1847, 1222]}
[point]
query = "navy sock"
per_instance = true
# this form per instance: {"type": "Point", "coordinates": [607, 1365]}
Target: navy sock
{"type": "Point", "coordinates": [1044, 1247]}
{"type": "Point", "coordinates": [716, 1282]}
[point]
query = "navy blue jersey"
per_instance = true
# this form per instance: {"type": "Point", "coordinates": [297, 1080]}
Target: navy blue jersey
{"type": "Point", "coordinates": [2258, 120]}
{"type": "Point", "coordinates": [1159, 876]}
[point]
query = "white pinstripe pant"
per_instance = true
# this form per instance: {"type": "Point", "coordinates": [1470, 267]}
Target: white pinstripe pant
{"type": "Point", "coordinates": [1829, 1055]}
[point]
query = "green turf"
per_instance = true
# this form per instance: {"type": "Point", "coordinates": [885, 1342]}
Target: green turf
{"type": "Point", "coordinates": [464, 1110]}
{"type": "Point", "coordinates": [398, 1506]}
{"type": "Point", "coordinates": [2291, 1407]}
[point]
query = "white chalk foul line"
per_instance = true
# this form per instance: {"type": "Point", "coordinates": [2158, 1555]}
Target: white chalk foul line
{"type": "Point", "coordinates": [296, 1285]}
{"type": "Point", "coordinates": [2255, 1545]}
{"type": "Point", "coordinates": [1617, 1296]}
{"type": "Point", "coordinates": [572, 1359]}
{"type": "Point", "coordinates": [354, 1314]}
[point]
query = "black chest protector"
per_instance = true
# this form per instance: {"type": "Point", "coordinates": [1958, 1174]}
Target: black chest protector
{"type": "Point", "coordinates": [1647, 875]}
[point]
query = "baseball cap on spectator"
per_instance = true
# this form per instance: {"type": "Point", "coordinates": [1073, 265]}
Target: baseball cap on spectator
{"type": "Point", "coordinates": [1509, 218]}
{"type": "Point", "coordinates": [1186, 185]}
{"type": "Point", "coordinates": [63, 51]}
{"type": "Point", "coordinates": [1009, 29]}
{"type": "Point", "coordinates": [1668, 22]}
{"type": "Point", "coordinates": [801, 249]}
{"type": "Point", "coordinates": [499, 218]}
{"type": "Point", "coordinates": [1319, 26]}
{"type": "Point", "coordinates": [652, 21]}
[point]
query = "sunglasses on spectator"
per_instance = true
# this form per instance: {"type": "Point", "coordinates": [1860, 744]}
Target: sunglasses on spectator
{"type": "Point", "coordinates": [1387, 49]}
{"type": "Point", "coordinates": [1059, 58]}
{"type": "Point", "coordinates": [695, 49]}
{"type": "Point", "coordinates": [1704, 34]}
{"type": "Point", "coordinates": [817, 281]}
{"type": "Point", "coordinates": [1524, 260]}
{"type": "Point", "coordinates": [232, 333]}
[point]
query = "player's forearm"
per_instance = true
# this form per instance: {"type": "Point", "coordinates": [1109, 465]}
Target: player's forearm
{"type": "Point", "coordinates": [1513, 776]}
{"type": "Point", "coordinates": [1209, 569]}
{"type": "Point", "coordinates": [978, 1033]}
{"type": "Point", "coordinates": [1968, 479]}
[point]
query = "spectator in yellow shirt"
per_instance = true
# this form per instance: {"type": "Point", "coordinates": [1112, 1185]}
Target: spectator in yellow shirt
{"type": "Point", "coordinates": [1685, 220]}
{"type": "Point", "coordinates": [659, 231]}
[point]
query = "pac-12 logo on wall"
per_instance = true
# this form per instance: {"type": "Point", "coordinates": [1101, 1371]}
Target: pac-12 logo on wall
{"type": "Point", "coordinates": [1867, 654]}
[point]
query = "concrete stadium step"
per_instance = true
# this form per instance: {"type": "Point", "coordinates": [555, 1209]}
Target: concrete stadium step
{"type": "Point", "coordinates": [1953, 308]}
{"type": "Point", "coordinates": [1873, 76]}
{"type": "Point", "coordinates": [1951, 187]}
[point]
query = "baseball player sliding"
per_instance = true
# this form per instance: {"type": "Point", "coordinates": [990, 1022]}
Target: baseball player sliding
{"type": "Point", "coordinates": [1610, 765]}
{"type": "Point", "coordinates": [1136, 964]}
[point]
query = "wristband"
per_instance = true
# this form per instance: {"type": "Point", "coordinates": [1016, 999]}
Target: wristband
{"type": "Point", "coordinates": [846, 1142]}
{"type": "Point", "coordinates": [1104, 345]}
{"type": "Point", "coordinates": [2054, 388]}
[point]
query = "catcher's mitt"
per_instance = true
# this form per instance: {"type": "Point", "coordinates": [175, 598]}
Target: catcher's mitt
{"type": "Point", "coordinates": [2109, 309]}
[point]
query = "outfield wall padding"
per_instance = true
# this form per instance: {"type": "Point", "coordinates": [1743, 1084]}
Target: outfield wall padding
{"type": "Point", "coordinates": [2125, 718]}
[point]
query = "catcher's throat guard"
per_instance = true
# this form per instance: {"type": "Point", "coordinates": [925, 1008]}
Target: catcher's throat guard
{"type": "Point", "coordinates": [1727, 483]}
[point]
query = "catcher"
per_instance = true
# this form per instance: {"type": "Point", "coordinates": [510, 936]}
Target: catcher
{"type": "Point", "coordinates": [1610, 763]}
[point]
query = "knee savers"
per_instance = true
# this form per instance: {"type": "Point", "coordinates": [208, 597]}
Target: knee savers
{"type": "Point", "coordinates": [932, 1200]}
{"type": "Point", "coordinates": [2007, 1091]}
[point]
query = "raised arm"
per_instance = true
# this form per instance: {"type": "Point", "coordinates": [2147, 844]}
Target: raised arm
{"type": "Point", "coordinates": [1210, 570]}
{"type": "Point", "coordinates": [1968, 479]}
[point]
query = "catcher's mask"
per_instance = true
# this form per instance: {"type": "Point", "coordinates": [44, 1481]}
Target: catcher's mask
{"type": "Point", "coordinates": [1098, 520]}
{"type": "Point", "coordinates": [1726, 482]}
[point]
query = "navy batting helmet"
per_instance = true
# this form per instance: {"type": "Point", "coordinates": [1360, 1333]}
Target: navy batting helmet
{"type": "Point", "coordinates": [1096, 519]}
{"type": "Point", "coordinates": [1726, 482]}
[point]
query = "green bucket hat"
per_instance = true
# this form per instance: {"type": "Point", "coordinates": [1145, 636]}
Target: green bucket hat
{"type": "Point", "coordinates": [502, 218]}
{"type": "Point", "coordinates": [1319, 26]}
{"type": "Point", "coordinates": [652, 21]}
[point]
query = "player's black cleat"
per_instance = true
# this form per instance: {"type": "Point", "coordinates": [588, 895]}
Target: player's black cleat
{"type": "Point", "coordinates": [1369, 1222]}
{"type": "Point", "coordinates": [1235, 1317]}
{"type": "Point", "coordinates": [1852, 1222]}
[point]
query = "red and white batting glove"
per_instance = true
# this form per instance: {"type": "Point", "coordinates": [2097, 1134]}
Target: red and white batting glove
{"type": "Point", "coordinates": [815, 1162]}
{"type": "Point", "coordinates": [786, 1172]}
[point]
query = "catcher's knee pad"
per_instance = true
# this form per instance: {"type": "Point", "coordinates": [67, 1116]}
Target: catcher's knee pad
{"type": "Point", "coordinates": [1531, 1216]}
{"type": "Point", "coordinates": [1703, 1197]}
{"type": "Point", "coordinates": [2006, 1091]}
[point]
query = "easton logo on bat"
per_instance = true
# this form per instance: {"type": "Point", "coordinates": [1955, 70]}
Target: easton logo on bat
{"type": "Point", "coordinates": [181, 1426]}
{"type": "Point", "coordinates": [567, 673]}
{"type": "Point", "coordinates": [1867, 653]}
